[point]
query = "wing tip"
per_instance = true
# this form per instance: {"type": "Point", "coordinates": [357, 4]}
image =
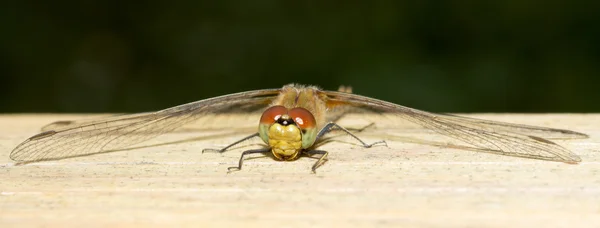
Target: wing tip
{"type": "Point", "coordinates": [16, 152]}
{"type": "Point", "coordinates": [16, 156]}
{"type": "Point", "coordinates": [579, 135]}
{"type": "Point", "coordinates": [572, 134]}
{"type": "Point", "coordinates": [572, 158]}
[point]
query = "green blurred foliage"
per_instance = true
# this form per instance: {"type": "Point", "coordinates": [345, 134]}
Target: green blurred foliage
{"type": "Point", "coordinates": [444, 56]}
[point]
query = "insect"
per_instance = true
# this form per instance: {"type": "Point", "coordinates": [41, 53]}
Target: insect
{"type": "Point", "coordinates": [293, 119]}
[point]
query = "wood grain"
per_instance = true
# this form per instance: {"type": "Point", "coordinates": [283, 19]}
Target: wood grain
{"type": "Point", "coordinates": [403, 185]}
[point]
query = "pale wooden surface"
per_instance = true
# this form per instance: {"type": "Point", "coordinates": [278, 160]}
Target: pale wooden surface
{"type": "Point", "coordinates": [405, 185]}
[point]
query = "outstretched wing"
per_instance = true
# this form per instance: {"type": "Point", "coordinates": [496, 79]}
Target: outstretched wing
{"type": "Point", "coordinates": [65, 139]}
{"type": "Point", "coordinates": [489, 136]}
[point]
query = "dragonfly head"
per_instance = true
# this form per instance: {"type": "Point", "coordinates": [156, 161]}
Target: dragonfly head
{"type": "Point", "coordinates": [287, 131]}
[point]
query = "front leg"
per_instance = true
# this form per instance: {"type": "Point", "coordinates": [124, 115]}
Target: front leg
{"type": "Point", "coordinates": [321, 160]}
{"type": "Point", "coordinates": [230, 145]}
{"type": "Point", "coordinates": [256, 151]}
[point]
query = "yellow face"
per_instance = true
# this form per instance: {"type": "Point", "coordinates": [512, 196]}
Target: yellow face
{"type": "Point", "coordinates": [287, 132]}
{"type": "Point", "coordinates": [285, 141]}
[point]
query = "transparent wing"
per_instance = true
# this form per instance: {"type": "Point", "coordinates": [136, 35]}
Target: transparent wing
{"type": "Point", "coordinates": [65, 139]}
{"type": "Point", "coordinates": [490, 136]}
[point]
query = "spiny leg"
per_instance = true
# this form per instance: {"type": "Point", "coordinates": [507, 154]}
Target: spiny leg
{"type": "Point", "coordinates": [333, 126]}
{"type": "Point", "coordinates": [256, 151]}
{"type": "Point", "coordinates": [230, 145]}
{"type": "Point", "coordinates": [321, 160]}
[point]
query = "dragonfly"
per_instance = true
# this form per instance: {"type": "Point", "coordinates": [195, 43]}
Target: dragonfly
{"type": "Point", "coordinates": [294, 119]}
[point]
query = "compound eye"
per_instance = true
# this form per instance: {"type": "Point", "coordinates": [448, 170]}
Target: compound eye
{"type": "Point", "coordinates": [303, 118]}
{"type": "Point", "coordinates": [271, 115]}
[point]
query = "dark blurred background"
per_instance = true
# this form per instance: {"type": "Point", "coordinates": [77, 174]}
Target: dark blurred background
{"type": "Point", "coordinates": [456, 56]}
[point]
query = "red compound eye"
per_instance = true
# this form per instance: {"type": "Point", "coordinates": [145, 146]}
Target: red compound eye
{"type": "Point", "coordinates": [271, 115]}
{"type": "Point", "coordinates": [303, 118]}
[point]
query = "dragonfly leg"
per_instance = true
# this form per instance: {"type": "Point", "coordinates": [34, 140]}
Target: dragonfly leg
{"type": "Point", "coordinates": [256, 151]}
{"type": "Point", "coordinates": [321, 160]}
{"type": "Point", "coordinates": [230, 145]}
{"type": "Point", "coordinates": [362, 128]}
{"type": "Point", "coordinates": [331, 126]}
